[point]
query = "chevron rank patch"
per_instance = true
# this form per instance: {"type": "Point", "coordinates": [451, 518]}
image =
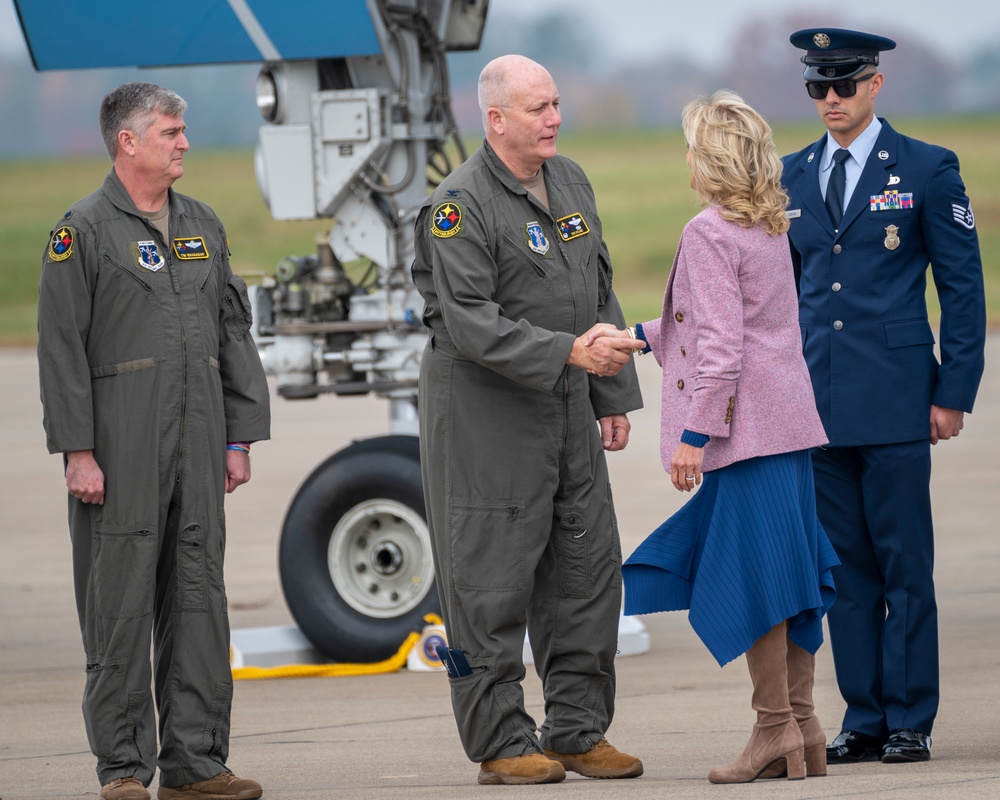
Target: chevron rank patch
{"type": "Point", "coordinates": [61, 243]}
{"type": "Point", "coordinates": [190, 248]}
{"type": "Point", "coordinates": [963, 215]}
{"type": "Point", "coordinates": [571, 226]}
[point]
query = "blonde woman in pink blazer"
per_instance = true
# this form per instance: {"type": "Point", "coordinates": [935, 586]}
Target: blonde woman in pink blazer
{"type": "Point", "coordinates": [746, 555]}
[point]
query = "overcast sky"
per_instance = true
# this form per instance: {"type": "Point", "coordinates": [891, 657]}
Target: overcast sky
{"type": "Point", "coordinates": [644, 28]}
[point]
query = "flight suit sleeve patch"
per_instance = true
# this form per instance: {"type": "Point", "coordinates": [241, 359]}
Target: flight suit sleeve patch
{"type": "Point", "coordinates": [447, 219]}
{"type": "Point", "coordinates": [61, 243]}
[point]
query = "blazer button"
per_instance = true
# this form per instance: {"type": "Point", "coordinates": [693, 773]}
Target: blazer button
{"type": "Point", "coordinates": [836, 287]}
{"type": "Point", "coordinates": [836, 248]}
{"type": "Point", "coordinates": [838, 325]}
{"type": "Point", "coordinates": [680, 384]}
{"type": "Point", "coordinates": [679, 316]}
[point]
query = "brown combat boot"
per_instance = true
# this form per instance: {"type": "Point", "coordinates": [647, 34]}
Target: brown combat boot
{"type": "Point", "coordinates": [519, 770]}
{"type": "Point", "coordinates": [603, 760]}
{"type": "Point", "coordinates": [124, 789]}
{"type": "Point", "coordinates": [224, 786]}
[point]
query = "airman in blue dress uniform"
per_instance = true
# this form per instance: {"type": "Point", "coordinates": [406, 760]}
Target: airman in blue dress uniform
{"type": "Point", "coordinates": [870, 209]}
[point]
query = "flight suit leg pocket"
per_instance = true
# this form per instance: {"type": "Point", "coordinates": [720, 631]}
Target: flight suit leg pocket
{"type": "Point", "coordinates": [215, 742]}
{"type": "Point", "coordinates": [102, 696]}
{"type": "Point", "coordinates": [124, 564]}
{"type": "Point", "coordinates": [191, 557]}
{"type": "Point", "coordinates": [487, 545]}
{"type": "Point", "coordinates": [573, 556]}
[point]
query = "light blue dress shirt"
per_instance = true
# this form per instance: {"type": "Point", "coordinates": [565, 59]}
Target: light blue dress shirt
{"type": "Point", "coordinates": [859, 149]}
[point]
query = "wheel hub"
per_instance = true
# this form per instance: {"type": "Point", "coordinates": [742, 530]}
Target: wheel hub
{"type": "Point", "coordinates": [379, 558]}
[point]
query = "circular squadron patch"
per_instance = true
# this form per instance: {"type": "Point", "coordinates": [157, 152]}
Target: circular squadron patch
{"type": "Point", "coordinates": [61, 244]}
{"type": "Point", "coordinates": [447, 220]}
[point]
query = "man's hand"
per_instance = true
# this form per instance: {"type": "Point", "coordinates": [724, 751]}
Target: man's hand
{"type": "Point", "coordinates": [945, 423]}
{"type": "Point", "coordinates": [603, 350]}
{"type": "Point", "coordinates": [84, 478]}
{"type": "Point", "coordinates": [614, 431]}
{"type": "Point", "coordinates": [237, 469]}
{"type": "Point", "coordinates": [685, 467]}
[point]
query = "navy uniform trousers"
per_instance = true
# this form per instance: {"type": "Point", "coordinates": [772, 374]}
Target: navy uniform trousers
{"type": "Point", "coordinates": [885, 616]}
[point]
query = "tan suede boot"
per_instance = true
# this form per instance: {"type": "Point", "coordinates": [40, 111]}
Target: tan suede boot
{"type": "Point", "coordinates": [519, 770]}
{"type": "Point", "coordinates": [776, 736]}
{"type": "Point", "coordinates": [801, 678]}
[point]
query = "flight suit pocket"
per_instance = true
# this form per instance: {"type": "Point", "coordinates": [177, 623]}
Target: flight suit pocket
{"type": "Point", "coordinates": [487, 545]}
{"type": "Point", "coordinates": [236, 307]}
{"type": "Point", "coordinates": [191, 568]}
{"type": "Point", "coordinates": [124, 570]}
{"type": "Point", "coordinates": [215, 741]}
{"type": "Point", "coordinates": [102, 697]}
{"type": "Point", "coordinates": [573, 560]}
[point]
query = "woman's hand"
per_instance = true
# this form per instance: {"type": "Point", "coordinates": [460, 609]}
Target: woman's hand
{"type": "Point", "coordinates": [685, 467]}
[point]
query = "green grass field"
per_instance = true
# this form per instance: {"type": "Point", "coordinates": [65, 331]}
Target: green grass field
{"type": "Point", "coordinates": [640, 179]}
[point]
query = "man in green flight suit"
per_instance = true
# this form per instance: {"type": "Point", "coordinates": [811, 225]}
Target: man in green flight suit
{"type": "Point", "coordinates": [515, 414]}
{"type": "Point", "coordinates": [153, 390]}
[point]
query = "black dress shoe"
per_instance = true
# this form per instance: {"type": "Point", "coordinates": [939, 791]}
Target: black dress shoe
{"type": "Point", "coordinates": [905, 745]}
{"type": "Point", "coordinates": [852, 746]}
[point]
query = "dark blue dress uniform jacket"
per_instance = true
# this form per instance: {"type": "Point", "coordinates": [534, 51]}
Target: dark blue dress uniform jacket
{"type": "Point", "coordinates": [863, 314]}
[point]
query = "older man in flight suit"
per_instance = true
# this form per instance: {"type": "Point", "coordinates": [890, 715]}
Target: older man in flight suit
{"type": "Point", "coordinates": [514, 411]}
{"type": "Point", "coordinates": [870, 208]}
{"type": "Point", "coordinates": [153, 390]}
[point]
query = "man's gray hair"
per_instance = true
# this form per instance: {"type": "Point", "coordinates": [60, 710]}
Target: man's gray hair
{"type": "Point", "coordinates": [131, 107]}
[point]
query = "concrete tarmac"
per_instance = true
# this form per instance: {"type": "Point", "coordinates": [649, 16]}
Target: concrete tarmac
{"type": "Point", "coordinates": [393, 736]}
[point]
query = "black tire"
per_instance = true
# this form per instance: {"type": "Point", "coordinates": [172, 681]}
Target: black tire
{"type": "Point", "coordinates": [355, 558]}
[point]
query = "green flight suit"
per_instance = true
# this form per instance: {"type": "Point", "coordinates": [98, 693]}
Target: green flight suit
{"type": "Point", "coordinates": [145, 358]}
{"type": "Point", "coordinates": [515, 479]}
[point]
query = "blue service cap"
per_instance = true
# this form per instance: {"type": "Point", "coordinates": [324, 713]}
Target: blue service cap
{"type": "Point", "coordinates": [833, 53]}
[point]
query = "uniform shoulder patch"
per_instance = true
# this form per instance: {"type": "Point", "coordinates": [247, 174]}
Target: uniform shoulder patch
{"type": "Point", "coordinates": [447, 219]}
{"type": "Point", "coordinates": [190, 248]}
{"type": "Point", "coordinates": [61, 243]}
{"type": "Point", "coordinates": [571, 226]}
{"type": "Point", "coordinates": [963, 215]}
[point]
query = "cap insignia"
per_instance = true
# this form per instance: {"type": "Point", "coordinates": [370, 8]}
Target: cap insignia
{"type": "Point", "coordinates": [821, 40]}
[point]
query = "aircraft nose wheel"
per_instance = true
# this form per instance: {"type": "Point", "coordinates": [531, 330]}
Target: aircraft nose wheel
{"type": "Point", "coordinates": [355, 555]}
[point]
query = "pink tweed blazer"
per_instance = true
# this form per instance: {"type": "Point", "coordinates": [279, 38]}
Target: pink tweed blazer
{"type": "Point", "coordinates": [730, 347]}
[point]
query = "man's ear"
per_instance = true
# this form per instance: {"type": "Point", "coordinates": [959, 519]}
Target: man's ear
{"type": "Point", "coordinates": [876, 83]}
{"type": "Point", "coordinates": [126, 141]}
{"type": "Point", "coordinates": [497, 120]}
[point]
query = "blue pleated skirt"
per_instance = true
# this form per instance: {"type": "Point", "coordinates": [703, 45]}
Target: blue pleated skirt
{"type": "Point", "coordinates": [746, 552]}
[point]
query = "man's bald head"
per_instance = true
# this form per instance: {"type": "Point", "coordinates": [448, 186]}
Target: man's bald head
{"type": "Point", "coordinates": [500, 79]}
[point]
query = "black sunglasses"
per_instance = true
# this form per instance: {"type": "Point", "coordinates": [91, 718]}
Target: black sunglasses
{"type": "Point", "coordinates": [845, 88]}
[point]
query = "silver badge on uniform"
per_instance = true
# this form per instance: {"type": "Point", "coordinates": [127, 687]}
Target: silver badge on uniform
{"type": "Point", "coordinates": [883, 154]}
{"type": "Point", "coordinates": [891, 239]}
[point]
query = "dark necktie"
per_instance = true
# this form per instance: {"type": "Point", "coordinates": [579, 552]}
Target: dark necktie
{"type": "Point", "coordinates": [835, 188]}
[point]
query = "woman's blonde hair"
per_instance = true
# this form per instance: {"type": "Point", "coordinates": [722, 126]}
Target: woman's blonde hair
{"type": "Point", "coordinates": [734, 161]}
